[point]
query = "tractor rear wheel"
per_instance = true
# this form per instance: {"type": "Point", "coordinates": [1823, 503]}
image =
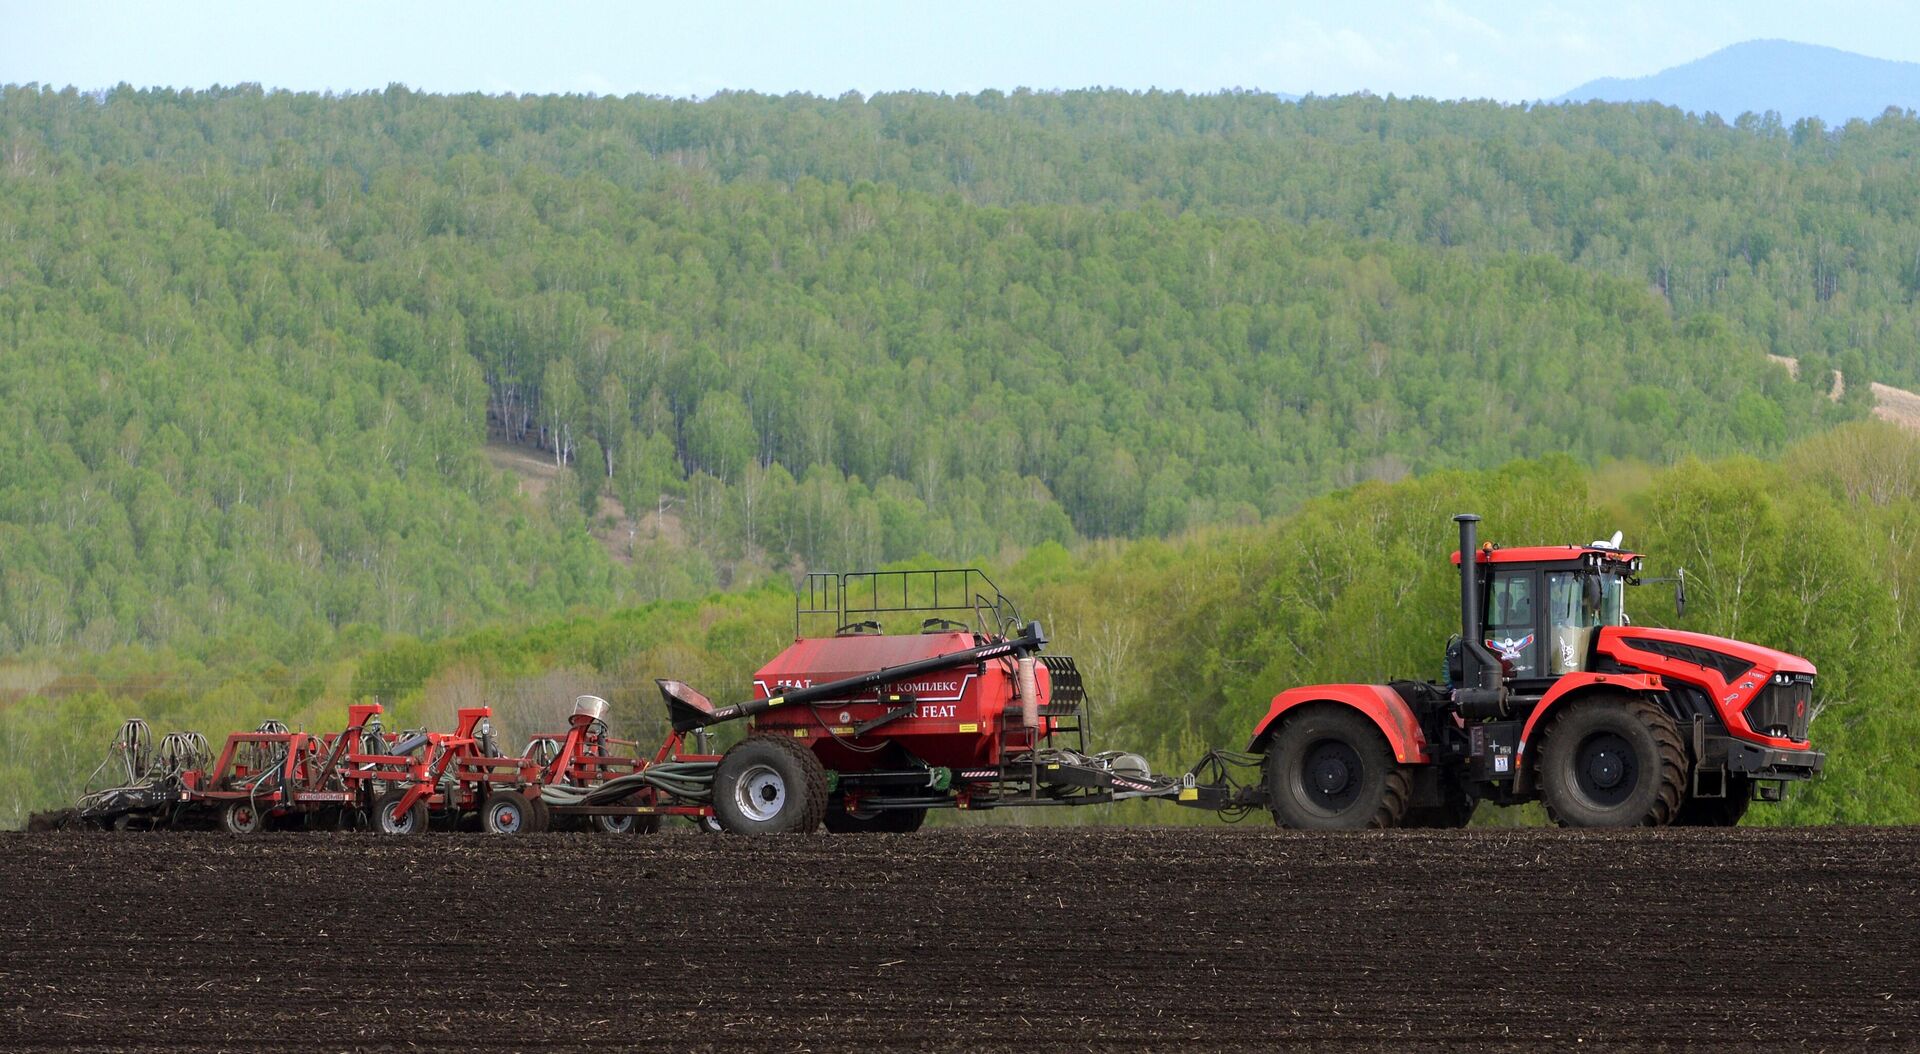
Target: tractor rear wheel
{"type": "Point", "coordinates": [769, 785]}
{"type": "Point", "coordinates": [386, 821]}
{"type": "Point", "coordinates": [1329, 768]}
{"type": "Point", "coordinates": [1612, 761]}
{"type": "Point", "coordinates": [507, 812]}
{"type": "Point", "coordinates": [1717, 812]}
{"type": "Point", "coordinates": [840, 820]}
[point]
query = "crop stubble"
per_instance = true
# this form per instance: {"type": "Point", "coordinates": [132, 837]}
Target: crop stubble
{"type": "Point", "coordinates": [979, 937]}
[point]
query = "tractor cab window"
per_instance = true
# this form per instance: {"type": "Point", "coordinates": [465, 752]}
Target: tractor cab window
{"type": "Point", "coordinates": [1579, 603]}
{"type": "Point", "coordinates": [1511, 621]}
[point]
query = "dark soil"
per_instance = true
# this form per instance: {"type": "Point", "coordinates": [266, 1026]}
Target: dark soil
{"type": "Point", "coordinates": [979, 938]}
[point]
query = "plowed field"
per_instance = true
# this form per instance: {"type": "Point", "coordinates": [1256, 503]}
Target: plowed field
{"type": "Point", "coordinates": [975, 938]}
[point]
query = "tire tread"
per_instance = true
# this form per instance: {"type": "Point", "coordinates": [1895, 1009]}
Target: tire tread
{"type": "Point", "coordinates": [1670, 747]}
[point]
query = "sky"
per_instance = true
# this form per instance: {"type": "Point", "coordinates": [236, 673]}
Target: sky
{"type": "Point", "coordinates": [1499, 49]}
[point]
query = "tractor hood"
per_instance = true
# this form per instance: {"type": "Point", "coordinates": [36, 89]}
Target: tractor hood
{"type": "Point", "coordinates": [1760, 656]}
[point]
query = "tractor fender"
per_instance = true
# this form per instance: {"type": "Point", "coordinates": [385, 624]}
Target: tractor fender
{"type": "Point", "coordinates": [1380, 703]}
{"type": "Point", "coordinates": [1574, 686]}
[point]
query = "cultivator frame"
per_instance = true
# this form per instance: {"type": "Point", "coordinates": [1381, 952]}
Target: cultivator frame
{"type": "Point", "coordinates": [400, 784]}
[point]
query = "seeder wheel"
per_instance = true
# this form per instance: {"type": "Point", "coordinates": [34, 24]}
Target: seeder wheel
{"type": "Point", "coordinates": [626, 824]}
{"type": "Point", "coordinates": [508, 812]}
{"type": "Point", "coordinates": [413, 821]}
{"type": "Point", "coordinates": [769, 785]}
{"type": "Point", "coordinates": [240, 817]}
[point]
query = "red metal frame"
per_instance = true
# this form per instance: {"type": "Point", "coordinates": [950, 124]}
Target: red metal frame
{"type": "Point", "coordinates": [1380, 703]}
{"type": "Point", "coordinates": [310, 775]}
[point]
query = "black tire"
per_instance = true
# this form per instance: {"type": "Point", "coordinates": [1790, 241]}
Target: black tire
{"type": "Point", "coordinates": [1717, 812]}
{"type": "Point", "coordinates": [1612, 761]}
{"type": "Point", "coordinates": [1329, 768]}
{"type": "Point", "coordinates": [706, 824]}
{"type": "Point", "coordinates": [241, 817]}
{"type": "Point", "coordinates": [630, 824]}
{"type": "Point", "coordinates": [412, 822]}
{"type": "Point", "coordinates": [879, 821]}
{"type": "Point", "coordinates": [542, 814]}
{"type": "Point", "coordinates": [508, 812]}
{"type": "Point", "coordinates": [769, 785]}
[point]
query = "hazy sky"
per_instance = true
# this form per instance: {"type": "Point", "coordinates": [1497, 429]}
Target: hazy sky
{"type": "Point", "coordinates": [1441, 48]}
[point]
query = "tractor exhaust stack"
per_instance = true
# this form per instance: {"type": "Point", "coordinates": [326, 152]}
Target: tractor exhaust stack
{"type": "Point", "coordinates": [1482, 690]}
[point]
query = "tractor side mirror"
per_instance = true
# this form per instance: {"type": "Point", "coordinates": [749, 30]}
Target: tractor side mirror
{"type": "Point", "coordinates": [1680, 594]}
{"type": "Point", "coordinates": [1590, 591]}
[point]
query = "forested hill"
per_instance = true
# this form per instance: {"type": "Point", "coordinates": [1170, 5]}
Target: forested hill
{"type": "Point", "coordinates": [250, 345]}
{"type": "Point", "coordinates": [1804, 235]}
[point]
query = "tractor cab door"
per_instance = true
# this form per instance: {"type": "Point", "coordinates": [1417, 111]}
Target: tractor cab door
{"type": "Point", "coordinates": [1512, 621]}
{"type": "Point", "coordinates": [1579, 603]}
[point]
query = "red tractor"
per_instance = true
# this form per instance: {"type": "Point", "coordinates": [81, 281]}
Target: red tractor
{"type": "Point", "coordinates": [1551, 694]}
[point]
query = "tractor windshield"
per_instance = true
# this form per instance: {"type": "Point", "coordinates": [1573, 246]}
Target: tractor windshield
{"type": "Point", "coordinates": [1576, 609]}
{"type": "Point", "coordinates": [1574, 600]}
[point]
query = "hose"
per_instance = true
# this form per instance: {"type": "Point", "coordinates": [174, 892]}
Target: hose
{"type": "Point", "coordinates": [1216, 768]}
{"type": "Point", "coordinates": [148, 775]}
{"type": "Point", "coordinates": [687, 780]}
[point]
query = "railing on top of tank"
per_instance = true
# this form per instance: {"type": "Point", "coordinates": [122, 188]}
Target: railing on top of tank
{"type": "Point", "coordinates": [858, 600]}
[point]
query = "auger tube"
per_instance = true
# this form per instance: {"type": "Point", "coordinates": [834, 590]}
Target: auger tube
{"type": "Point", "coordinates": [1032, 640]}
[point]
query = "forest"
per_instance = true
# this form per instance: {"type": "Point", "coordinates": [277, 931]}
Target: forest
{"type": "Point", "coordinates": [1199, 376]}
{"type": "Point", "coordinates": [254, 343]}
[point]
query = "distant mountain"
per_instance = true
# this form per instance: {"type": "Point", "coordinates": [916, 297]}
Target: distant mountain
{"type": "Point", "coordinates": [1798, 80]}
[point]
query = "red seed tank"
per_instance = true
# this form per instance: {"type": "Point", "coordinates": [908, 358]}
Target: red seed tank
{"type": "Point", "coordinates": [964, 717]}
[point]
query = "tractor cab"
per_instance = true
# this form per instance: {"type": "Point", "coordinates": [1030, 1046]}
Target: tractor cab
{"type": "Point", "coordinates": [1544, 606]}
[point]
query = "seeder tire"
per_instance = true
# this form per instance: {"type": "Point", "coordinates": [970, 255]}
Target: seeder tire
{"type": "Point", "coordinates": [508, 812]}
{"type": "Point", "coordinates": [1330, 769]}
{"type": "Point", "coordinates": [880, 821]}
{"type": "Point", "coordinates": [1612, 761]}
{"type": "Point", "coordinates": [769, 785]}
{"type": "Point", "coordinates": [413, 822]}
{"type": "Point", "coordinates": [241, 817]}
{"type": "Point", "coordinates": [626, 824]}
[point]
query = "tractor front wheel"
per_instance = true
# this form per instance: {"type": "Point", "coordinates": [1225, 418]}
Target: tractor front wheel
{"type": "Point", "coordinates": [1612, 761]}
{"type": "Point", "coordinates": [1329, 768]}
{"type": "Point", "coordinates": [769, 785]}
